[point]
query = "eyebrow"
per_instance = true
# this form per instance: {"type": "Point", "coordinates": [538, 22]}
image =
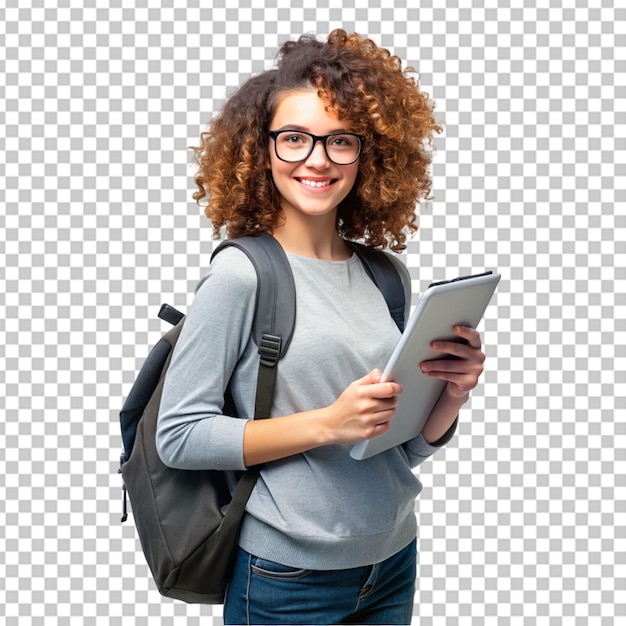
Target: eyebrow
{"type": "Point", "coordinates": [306, 130]}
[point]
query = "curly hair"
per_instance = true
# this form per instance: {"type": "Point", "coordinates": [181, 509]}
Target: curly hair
{"type": "Point", "coordinates": [371, 94]}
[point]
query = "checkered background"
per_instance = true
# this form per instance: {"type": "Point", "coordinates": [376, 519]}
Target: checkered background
{"type": "Point", "coordinates": [522, 518]}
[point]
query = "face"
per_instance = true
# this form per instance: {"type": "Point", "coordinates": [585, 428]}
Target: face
{"type": "Point", "coordinates": [315, 186]}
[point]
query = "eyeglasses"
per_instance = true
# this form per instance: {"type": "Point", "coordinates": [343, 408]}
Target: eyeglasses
{"type": "Point", "coordinates": [296, 145]}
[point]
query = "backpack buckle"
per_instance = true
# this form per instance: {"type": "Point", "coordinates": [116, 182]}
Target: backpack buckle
{"type": "Point", "coordinates": [269, 349]}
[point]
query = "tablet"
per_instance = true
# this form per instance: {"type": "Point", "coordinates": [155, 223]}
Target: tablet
{"type": "Point", "coordinates": [462, 302]}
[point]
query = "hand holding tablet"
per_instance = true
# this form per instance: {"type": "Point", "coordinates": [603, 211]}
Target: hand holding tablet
{"type": "Point", "coordinates": [444, 305]}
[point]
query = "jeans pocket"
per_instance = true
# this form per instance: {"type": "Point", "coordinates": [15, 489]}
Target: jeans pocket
{"type": "Point", "coordinates": [277, 571]}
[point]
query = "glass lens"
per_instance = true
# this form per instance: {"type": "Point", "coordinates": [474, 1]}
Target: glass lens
{"type": "Point", "coordinates": [342, 148]}
{"type": "Point", "coordinates": [295, 146]}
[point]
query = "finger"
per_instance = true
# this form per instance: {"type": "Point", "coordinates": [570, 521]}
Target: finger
{"type": "Point", "coordinates": [372, 386]}
{"type": "Point", "coordinates": [384, 390]}
{"type": "Point", "coordinates": [379, 429]}
{"type": "Point", "coordinates": [444, 365]}
{"type": "Point", "coordinates": [465, 382]}
{"type": "Point", "coordinates": [374, 376]}
{"type": "Point", "coordinates": [370, 378]}
{"type": "Point", "coordinates": [470, 334]}
{"type": "Point", "coordinates": [457, 350]}
{"type": "Point", "coordinates": [385, 406]}
{"type": "Point", "coordinates": [372, 392]}
{"type": "Point", "coordinates": [447, 367]}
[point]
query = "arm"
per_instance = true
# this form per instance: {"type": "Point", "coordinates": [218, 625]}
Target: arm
{"type": "Point", "coordinates": [364, 409]}
{"type": "Point", "coordinates": [462, 374]}
{"type": "Point", "coordinates": [361, 412]}
{"type": "Point", "coordinates": [194, 433]}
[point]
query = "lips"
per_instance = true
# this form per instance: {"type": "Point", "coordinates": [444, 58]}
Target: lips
{"type": "Point", "coordinates": [316, 183]}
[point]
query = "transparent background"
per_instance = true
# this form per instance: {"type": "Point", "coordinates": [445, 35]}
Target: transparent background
{"type": "Point", "coordinates": [522, 517]}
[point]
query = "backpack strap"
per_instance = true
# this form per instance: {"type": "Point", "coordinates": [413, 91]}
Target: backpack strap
{"type": "Point", "coordinates": [383, 272]}
{"type": "Point", "coordinates": [275, 314]}
{"type": "Point", "coordinates": [272, 330]}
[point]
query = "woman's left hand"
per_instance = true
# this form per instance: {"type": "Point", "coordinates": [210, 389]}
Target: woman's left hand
{"type": "Point", "coordinates": [464, 369]}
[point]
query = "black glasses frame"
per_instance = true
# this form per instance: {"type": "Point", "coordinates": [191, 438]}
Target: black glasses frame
{"type": "Point", "coordinates": [323, 138]}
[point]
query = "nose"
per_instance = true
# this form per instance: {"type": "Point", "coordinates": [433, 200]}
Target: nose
{"type": "Point", "coordinates": [318, 157]}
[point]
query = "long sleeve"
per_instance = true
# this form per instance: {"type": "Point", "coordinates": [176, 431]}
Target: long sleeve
{"type": "Point", "coordinates": [419, 450]}
{"type": "Point", "coordinates": [320, 508]}
{"type": "Point", "coordinates": [193, 432]}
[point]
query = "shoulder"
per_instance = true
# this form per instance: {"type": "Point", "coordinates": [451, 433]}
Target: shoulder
{"type": "Point", "coordinates": [229, 284]}
{"type": "Point", "coordinates": [230, 270]}
{"type": "Point", "coordinates": [224, 302]}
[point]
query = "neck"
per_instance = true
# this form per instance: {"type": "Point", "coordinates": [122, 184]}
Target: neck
{"type": "Point", "coordinates": [312, 237]}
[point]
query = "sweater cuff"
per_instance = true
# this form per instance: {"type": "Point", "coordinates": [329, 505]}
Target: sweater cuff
{"type": "Point", "coordinates": [419, 449]}
{"type": "Point", "coordinates": [443, 440]}
{"type": "Point", "coordinates": [226, 443]}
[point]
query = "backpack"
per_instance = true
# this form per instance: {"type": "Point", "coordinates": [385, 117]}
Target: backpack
{"type": "Point", "coordinates": [187, 520]}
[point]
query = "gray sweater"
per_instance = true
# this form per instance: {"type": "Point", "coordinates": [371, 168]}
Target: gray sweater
{"type": "Point", "coordinates": [316, 510]}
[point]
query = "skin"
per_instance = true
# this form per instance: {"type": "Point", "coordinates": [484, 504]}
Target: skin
{"type": "Point", "coordinates": [308, 228]}
{"type": "Point", "coordinates": [310, 213]}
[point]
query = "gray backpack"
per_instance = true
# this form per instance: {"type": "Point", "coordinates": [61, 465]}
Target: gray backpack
{"type": "Point", "coordinates": [188, 521]}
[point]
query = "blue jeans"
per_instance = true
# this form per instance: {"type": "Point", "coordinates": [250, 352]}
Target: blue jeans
{"type": "Point", "coordinates": [264, 592]}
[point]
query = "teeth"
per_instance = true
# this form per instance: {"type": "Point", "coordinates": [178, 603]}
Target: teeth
{"type": "Point", "coordinates": [315, 183]}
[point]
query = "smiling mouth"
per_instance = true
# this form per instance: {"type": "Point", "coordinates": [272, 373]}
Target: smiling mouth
{"type": "Point", "coordinates": [317, 184]}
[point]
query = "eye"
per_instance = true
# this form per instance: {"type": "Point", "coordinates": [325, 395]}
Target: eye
{"type": "Point", "coordinates": [343, 141]}
{"type": "Point", "coordinates": [293, 138]}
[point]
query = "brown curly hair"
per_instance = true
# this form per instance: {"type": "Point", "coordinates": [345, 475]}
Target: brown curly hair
{"type": "Point", "coordinates": [375, 98]}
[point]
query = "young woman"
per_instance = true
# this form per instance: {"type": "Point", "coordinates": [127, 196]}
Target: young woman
{"type": "Point", "coordinates": [328, 146]}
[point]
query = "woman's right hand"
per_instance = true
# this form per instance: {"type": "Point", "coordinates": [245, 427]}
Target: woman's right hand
{"type": "Point", "coordinates": [362, 411]}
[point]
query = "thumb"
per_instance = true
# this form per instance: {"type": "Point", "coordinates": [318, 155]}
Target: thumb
{"type": "Point", "coordinates": [371, 378]}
